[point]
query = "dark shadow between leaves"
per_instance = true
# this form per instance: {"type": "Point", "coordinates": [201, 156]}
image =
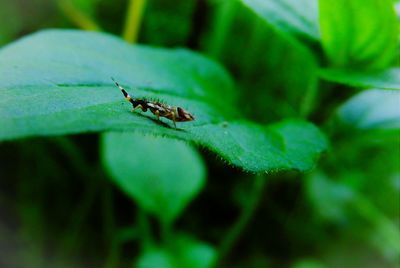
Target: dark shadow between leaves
{"type": "Point", "coordinates": [158, 122]}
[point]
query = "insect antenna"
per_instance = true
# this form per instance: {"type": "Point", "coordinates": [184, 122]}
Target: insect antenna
{"type": "Point", "coordinates": [126, 95]}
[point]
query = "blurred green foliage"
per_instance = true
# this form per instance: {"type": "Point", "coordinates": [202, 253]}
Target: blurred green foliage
{"type": "Point", "coordinates": [349, 33]}
{"type": "Point", "coordinates": [128, 200]}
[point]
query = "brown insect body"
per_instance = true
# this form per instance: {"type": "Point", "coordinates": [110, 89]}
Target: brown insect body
{"type": "Point", "coordinates": [176, 114]}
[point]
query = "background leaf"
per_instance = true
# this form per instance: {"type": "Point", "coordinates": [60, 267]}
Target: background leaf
{"type": "Point", "coordinates": [297, 17]}
{"type": "Point", "coordinates": [162, 175]}
{"type": "Point", "coordinates": [359, 33]}
{"type": "Point", "coordinates": [63, 78]}
{"type": "Point", "coordinates": [386, 79]}
{"type": "Point", "coordinates": [372, 109]}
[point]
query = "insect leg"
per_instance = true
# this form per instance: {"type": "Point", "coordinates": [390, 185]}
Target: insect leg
{"type": "Point", "coordinates": [174, 119]}
{"type": "Point", "coordinates": [137, 107]}
{"type": "Point", "coordinates": [157, 114]}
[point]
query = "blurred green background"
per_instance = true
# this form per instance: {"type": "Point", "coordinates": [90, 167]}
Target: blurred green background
{"type": "Point", "coordinates": [63, 202]}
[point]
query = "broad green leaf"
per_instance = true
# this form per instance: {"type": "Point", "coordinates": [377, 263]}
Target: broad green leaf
{"type": "Point", "coordinates": [298, 17]}
{"type": "Point", "coordinates": [385, 79]}
{"type": "Point", "coordinates": [359, 33]}
{"type": "Point", "coordinates": [183, 252]}
{"type": "Point", "coordinates": [162, 175]}
{"type": "Point", "coordinates": [372, 109]}
{"type": "Point", "coordinates": [58, 82]}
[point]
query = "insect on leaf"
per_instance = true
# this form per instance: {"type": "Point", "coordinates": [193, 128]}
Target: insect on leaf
{"type": "Point", "coordinates": [58, 82]}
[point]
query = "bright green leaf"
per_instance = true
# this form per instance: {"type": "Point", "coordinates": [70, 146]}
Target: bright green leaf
{"type": "Point", "coordinates": [183, 252]}
{"type": "Point", "coordinates": [385, 79]}
{"type": "Point", "coordinates": [162, 175]}
{"type": "Point", "coordinates": [359, 33]}
{"type": "Point", "coordinates": [372, 109]}
{"type": "Point", "coordinates": [58, 82]}
{"type": "Point", "coordinates": [299, 17]}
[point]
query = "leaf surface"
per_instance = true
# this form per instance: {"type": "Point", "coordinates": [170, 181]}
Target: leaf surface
{"type": "Point", "coordinates": [385, 79]}
{"type": "Point", "coordinates": [372, 109]}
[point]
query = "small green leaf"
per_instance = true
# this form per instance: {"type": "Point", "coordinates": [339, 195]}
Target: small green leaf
{"type": "Point", "coordinates": [156, 258]}
{"type": "Point", "coordinates": [372, 109]}
{"type": "Point", "coordinates": [308, 263]}
{"type": "Point", "coordinates": [385, 79]}
{"type": "Point", "coordinates": [183, 252]}
{"type": "Point", "coordinates": [298, 17]}
{"type": "Point", "coordinates": [58, 82]}
{"type": "Point", "coordinates": [162, 175]}
{"type": "Point", "coordinates": [359, 33]}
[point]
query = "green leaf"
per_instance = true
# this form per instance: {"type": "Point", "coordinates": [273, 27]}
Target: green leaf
{"type": "Point", "coordinates": [163, 175]}
{"type": "Point", "coordinates": [297, 17]}
{"type": "Point", "coordinates": [58, 82]}
{"type": "Point", "coordinates": [372, 109]}
{"type": "Point", "coordinates": [184, 252]}
{"type": "Point", "coordinates": [385, 79]}
{"type": "Point", "coordinates": [359, 33]}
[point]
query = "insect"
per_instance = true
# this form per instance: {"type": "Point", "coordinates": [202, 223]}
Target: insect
{"type": "Point", "coordinates": [176, 114]}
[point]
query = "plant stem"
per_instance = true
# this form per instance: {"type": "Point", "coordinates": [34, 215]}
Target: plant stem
{"type": "Point", "coordinates": [133, 20]}
{"type": "Point", "coordinates": [90, 174]}
{"type": "Point", "coordinates": [165, 232]}
{"type": "Point", "coordinates": [145, 234]}
{"type": "Point", "coordinates": [79, 18]}
{"type": "Point", "coordinates": [308, 101]}
{"type": "Point", "coordinates": [237, 229]}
